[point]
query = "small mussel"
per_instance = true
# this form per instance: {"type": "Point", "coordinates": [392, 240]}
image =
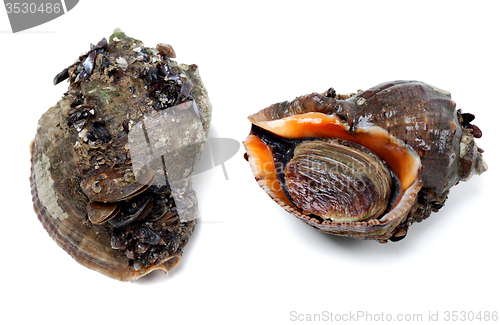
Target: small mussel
{"type": "Point", "coordinates": [99, 212]}
{"type": "Point", "coordinates": [364, 165]}
{"type": "Point", "coordinates": [117, 184]}
{"type": "Point", "coordinates": [103, 180]}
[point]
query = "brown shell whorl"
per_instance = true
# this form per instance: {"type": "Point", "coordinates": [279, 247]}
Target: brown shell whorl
{"type": "Point", "coordinates": [425, 118]}
{"type": "Point", "coordinates": [304, 104]}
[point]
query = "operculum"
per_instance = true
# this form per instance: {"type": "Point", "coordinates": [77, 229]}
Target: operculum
{"type": "Point", "coordinates": [338, 180]}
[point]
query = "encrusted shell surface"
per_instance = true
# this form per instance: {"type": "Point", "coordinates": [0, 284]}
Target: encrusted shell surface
{"type": "Point", "coordinates": [395, 117]}
{"type": "Point", "coordinates": [101, 191]}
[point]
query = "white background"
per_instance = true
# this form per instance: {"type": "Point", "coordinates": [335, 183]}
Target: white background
{"type": "Point", "coordinates": [249, 262]}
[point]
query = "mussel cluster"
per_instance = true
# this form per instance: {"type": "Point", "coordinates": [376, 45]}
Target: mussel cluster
{"type": "Point", "coordinates": [166, 86]}
{"type": "Point", "coordinates": [142, 212]}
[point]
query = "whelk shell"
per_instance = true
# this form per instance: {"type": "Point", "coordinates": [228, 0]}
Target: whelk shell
{"type": "Point", "coordinates": [333, 185]}
{"type": "Point", "coordinates": [102, 179]}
